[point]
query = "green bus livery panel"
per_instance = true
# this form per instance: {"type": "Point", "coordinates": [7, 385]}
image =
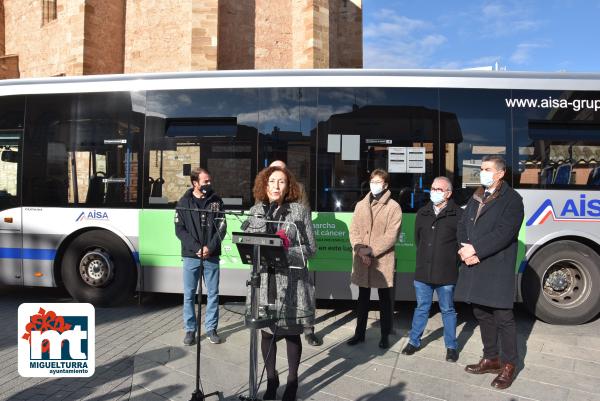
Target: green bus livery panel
{"type": "Point", "coordinates": [160, 247]}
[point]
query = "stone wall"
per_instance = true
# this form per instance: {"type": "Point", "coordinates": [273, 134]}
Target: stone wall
{"type": "Point", "coordinates": [302, 26]}
{"type": "Point", "coordinates": [345, 37]}
{"type": "Point", "coordinates": [2, 28]}
{"type": "Point", "coordinates": [171, 35]}
{"type": "Point", "coordinates": [205, 20]}
{"type": "Point", "coordinates": [321, 34]}
{"type": "Point", "coordinates": [104, 37]}
{"type": "Point", "coordinates": [8, 177]}
{"type": "Point", "coordinates": [157, 35]}
{"type": "Point", "coordinates": [54, 48]}
{"type": "Point", "coordinates": [273, 35]}
{"type": "Point", "coordinates": [236, 34]}
{"type": "Point", "coordinates": [101, 36]}
{"type": "Point", "coordinates": [9, 67]}
{"type": "Point", "coordinates": [175, 183]}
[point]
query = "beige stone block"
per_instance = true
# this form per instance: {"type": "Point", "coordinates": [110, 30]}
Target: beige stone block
{"type": "Point", "coordinates": [240, 34]}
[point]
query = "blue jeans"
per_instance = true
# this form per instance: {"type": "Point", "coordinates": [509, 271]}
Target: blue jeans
{"type": "Point", "coordinates": [445, 295]}
{"type": "Point", "coordinates": [191, 274]}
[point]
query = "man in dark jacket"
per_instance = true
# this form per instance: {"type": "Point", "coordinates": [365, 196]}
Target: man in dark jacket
{"type": "Point", "coordinates": [488, 233]}
{"type": "Point", "coordinates": [437, 265]}
{"type": "Point", "coordinates": [200, 228]}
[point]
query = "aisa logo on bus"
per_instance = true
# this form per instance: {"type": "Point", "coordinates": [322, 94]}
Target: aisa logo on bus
{"type": "Point", "coordinates": [573, 210]}
{"type": "Point", "coordinates": [56, 340]}
{"type": "Point", "coordinates": [92, 215]}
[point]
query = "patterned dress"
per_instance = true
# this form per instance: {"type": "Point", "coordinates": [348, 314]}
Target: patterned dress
{"type": "Point", "coordinates": [294, 290]}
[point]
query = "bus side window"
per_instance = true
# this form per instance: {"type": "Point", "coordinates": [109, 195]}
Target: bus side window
{"type": "Point", "coordinates": [560, 147]}
{"type": "Point", "coordinates": [594, 178]}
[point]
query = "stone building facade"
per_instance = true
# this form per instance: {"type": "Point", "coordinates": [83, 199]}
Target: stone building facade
{"type": "Point", "coordinates": [40, 38]}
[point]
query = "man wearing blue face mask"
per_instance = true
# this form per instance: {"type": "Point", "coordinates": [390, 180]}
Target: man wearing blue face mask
{"type": "Point", "coordinates": [437, 265]}
{"type": "Point", "coordinates": [488, 233]}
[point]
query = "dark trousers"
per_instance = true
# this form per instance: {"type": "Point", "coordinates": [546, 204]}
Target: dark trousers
{"type": "Point", "coordinates": [268, 348]}
{"type": "Point", "coordinates": [362, 310]}
{"type": "Point", "coordinates": [497, 324]}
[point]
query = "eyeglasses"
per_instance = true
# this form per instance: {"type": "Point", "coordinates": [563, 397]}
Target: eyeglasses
{"type": "Point", "coordinates": [375, 182]}
{"type": "Point", "coordinates": [434, 189]}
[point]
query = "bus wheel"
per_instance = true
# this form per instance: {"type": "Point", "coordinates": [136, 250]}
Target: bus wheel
{"type": "Point", "coordinates": [561, 283]}
{"type": "Point", "coordinates": [98, 268]}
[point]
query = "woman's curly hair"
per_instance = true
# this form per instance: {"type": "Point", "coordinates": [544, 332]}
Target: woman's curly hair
{"type": "Point", "coordinates": [292, 192]}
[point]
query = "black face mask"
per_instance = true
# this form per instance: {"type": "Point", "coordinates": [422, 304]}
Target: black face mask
{"type": "Point", "coordinates": [206, 189]}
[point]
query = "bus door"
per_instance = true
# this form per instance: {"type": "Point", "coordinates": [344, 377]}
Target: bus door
{"type": "Point", "coordinates": [11, 236]}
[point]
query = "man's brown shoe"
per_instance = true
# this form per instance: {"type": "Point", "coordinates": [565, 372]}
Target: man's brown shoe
{"type": "Point", "coordinates": [506, 377]}
{"type": "Point", "coordinates": [485, 366]}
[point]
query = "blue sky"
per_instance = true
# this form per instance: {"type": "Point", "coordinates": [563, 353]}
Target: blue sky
{"type": "Point", "coordinates": [525, 35]}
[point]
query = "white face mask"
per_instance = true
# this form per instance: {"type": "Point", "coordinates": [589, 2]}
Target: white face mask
{"type": "Point", "coordinates": [486, 178]}
{"type": "Point", "coordinates": [436, 197]}
{"type": "Point", "coordinates": [376, 189]}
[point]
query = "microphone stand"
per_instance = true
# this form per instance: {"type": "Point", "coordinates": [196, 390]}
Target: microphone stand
{"type": "Point", "coordinates": [198, 395]}
{"type": "Point", "coordinates": [253, 321]}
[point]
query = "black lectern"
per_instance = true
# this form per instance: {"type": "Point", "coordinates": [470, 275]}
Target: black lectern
{"type": "Point", "coordinates": [261, 251]}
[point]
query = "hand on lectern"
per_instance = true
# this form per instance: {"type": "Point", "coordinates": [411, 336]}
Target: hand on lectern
{"type": "Point", "coordinates": [286, 241]}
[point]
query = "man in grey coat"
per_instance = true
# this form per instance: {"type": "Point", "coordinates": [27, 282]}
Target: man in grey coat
{"type": "Point", "coordinates": [488, 232]}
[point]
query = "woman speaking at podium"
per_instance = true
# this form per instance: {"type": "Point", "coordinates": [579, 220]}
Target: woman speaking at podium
{"type": "Point", "coordinates": [278, 210]}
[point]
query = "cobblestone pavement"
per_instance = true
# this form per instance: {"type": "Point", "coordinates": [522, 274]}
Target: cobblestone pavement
{"type": "Point", "coordinates": [139, 356]}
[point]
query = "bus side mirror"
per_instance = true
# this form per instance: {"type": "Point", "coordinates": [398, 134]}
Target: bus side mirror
{"type": "Point", "coordinates": [10, 156]}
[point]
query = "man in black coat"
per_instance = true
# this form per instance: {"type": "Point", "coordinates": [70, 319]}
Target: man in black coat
{"type": "Point", "coordinates": [437, 265]}
{"type": "Point", "coordinates": [200, 228]}
{"type": "Point", "coordinates": [488, 233]}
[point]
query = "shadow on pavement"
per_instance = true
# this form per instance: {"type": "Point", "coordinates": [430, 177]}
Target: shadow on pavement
{"type": "Point", "coordinates": [386, 394]}
{"type": "Point", "coordinates": [118, 374]}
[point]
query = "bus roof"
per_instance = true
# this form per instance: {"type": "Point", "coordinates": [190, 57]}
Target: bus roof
{"type": "Point", "coordinates": [304, 78]}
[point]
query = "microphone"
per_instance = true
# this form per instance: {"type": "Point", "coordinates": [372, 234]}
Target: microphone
{"type": "Point", "coordinates": [268, 215]}
{"type": "Point", "coordinates": [272, 207]}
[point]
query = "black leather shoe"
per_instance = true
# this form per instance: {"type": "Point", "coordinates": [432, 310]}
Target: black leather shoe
{"type": "Point", "coordinates": [313, 340]}
{"type": "Point", "coordinates": [451, 355]}
{"type": "Point", "coordinates": [384, 342]}
{"type": "Point", "coordinates": [355, 340]}
{"type": "Point", "coordinates": [409, 349]}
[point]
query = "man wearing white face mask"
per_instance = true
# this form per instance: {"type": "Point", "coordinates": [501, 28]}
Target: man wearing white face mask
{"type": "Point", "coordinates": [437, 265]}
{"type": "Point", "coordinates": [488, 233]}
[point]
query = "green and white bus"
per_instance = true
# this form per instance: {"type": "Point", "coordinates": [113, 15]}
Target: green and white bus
{"type": "Point", "coordinates": [91, 168]}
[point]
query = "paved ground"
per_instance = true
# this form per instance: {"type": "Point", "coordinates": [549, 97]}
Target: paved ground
{"type": "Point", "coordinates": [139, 356]}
